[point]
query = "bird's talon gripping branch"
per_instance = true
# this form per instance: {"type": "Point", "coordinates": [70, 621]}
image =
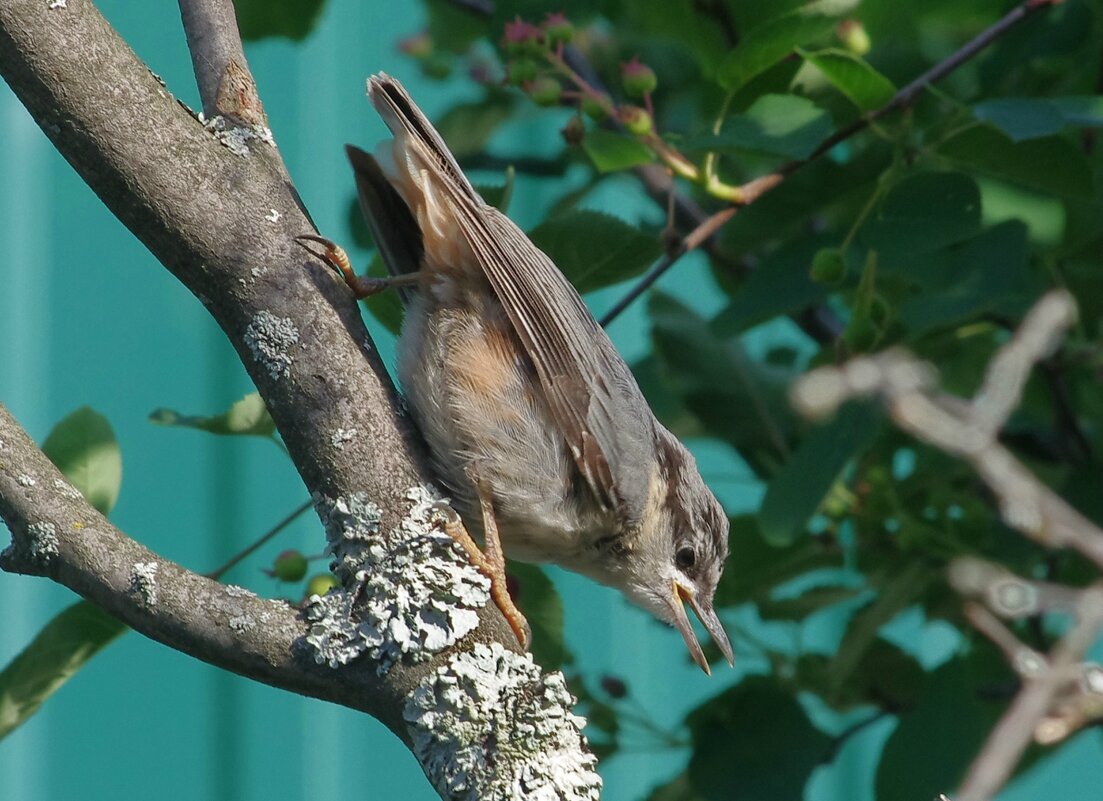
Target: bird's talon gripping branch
{"type": "Point", "coordinates": [490, 561]}
{"type": "Point", "coordinates": [335, 256]}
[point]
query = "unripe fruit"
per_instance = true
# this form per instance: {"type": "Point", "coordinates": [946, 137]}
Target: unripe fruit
{"type": "Point", "coordinates": [522, 38]}
{"type": "Point", "coordinates": [289, 566]}
{"type": "Point", "coordinates": [828, 266]}
{"type": "Point", "coordinates": [854, 36]}
{"type": "Point", "coordinates": [558, 28]}
{"type": "Point", "coordinates": [637, 120]}
{"type": "Point", "coordinates": [320, 584]}
{"type": "Point", "coordinates": [861, 335]}
{"type": "Point", "coordinates": [593, 109]}
{"type": "Point", "coordinates": [638, 79]}
{"type": "Point", "coordinates": [521, 71]}
{"type": "Point", "coordinates": [573, 131]}
{"type": "Point", "coordinates": [544, 91]}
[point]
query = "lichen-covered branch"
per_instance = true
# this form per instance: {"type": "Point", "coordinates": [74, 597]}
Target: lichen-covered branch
{"type": "Point", "coordinates": [1060, 692]}
{"type": "Point", "coordinates": [212, 202]}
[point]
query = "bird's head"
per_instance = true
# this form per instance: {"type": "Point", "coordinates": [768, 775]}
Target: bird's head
{"type": "Point", "coordinates": [676, 554]}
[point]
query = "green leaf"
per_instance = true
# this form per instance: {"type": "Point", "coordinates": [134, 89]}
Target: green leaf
{"type": "Point", "coordinates": [925, 212]}
{"type": "Point", "coordinates": [62, 648]}
{"type": "Point", "coordinates": [247, 417]}
{"type": "Point", "coordinates": [1050, 164]}
{"type": "Point", "coordinates": [754, 568]}
{"type": "Point", "coordinates": [293, 19]}
{"type": "Point", "coordinates": [1021, 118]}
{"type": "Point", "coordinates": [800, 606]}
{"type": "Point", "coordinates": [743, 735]}
{"type": "Point", "coordinates": [796, 492]}
{"type": "Point", "coordinates": [715, 377]}
{"type": "Point", "coordinates": [864, 86]}
{"type": "Point", "coordinates": [966, 280]}
{"type": "Point", "coordinates": [611, 152]}
{"type": "Point", "coordinates": [929, 750]}
{"type": "Point", "coordinates": [467, 127]}
{"type": "Point", "coordinates": [594, 249]}
{"type": "Point", "coordinates": [899, 585]}
{"type": "Point", "coordinates": [386, 307]}
{"type": "Point", "coordinates": [885, 676]}
{"type": "Point", "coordinates": [768, 43]}
{"type": "Point", "coordinates": [782, 125]}
{"type": "Point", "coordinates": [84, 448]}
{"type": "Point", "coordinates": [543, 608]}
{"type": "Point", "coordinates": [1024, 118]}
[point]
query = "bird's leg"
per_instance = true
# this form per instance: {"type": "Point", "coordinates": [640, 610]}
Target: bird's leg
{"type": "Point", "coordinates": [490, 560]}
{"type": "Point", "coordinates": [334, 255]}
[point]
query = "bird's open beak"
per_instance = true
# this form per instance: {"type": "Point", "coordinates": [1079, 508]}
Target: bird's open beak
{"type": "Point", "coordinates": [681, 595]}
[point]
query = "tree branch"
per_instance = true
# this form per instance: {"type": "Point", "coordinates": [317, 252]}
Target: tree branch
{"type": "Point", "coordinates": [225, 84]}
{"type": "Point", "coordinates": [410, 638]}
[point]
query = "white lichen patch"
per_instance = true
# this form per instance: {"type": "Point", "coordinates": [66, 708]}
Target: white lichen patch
{"type": "Point", "coordinates": [57, 4]}
{"type": "Point", "coordinates": [272, 216]}
{"type": "Point", "coordinates": [236, 138]}
{"type": "Point", "coordinates": [409, 594]}
{"type": "Point", "coordinates": [26, 480]}
{"type": "Point", "coordinates": [42, 542]}
{"type": "Point", "coordinates": [143, 582]}
{"type": "Point", "coordinates": [341, 436]}
{"type": "Point", "coordinates": [242, 623]}
{"type": "Point", "coordinates": [491, 725]}
{"type": "Point", "coordinates": [234, 591]}
{"type": "Point", "coordinates": [67, 489]}
{"type": "Point", "coordinates": [270, 339]}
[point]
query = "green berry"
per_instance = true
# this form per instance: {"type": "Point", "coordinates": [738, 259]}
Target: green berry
{"type": "Point", "coordinates": [593, 109]}
{"type": "Point", "coordinates": [522, 38]}
{"type": "Point", "coordinates": [320, 584]}
{"type": "Point", "coordinates": [828, 266]}
{"type": "Point", "coordinates": [558, 28]}
{"type": "Point", "coordinates": [638, 79]}
{"type": "Point", "coordinates": [289, 566]}
{"type": "Point", "coordinates": [544, 91]}
{"type": "Point", "coordinates": [521, 71]}
{"type": "Point", "coordinates": [637, 120]}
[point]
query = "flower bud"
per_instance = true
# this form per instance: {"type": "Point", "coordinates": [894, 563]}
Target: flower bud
{"type": "Point", "coordinates": [523, 38]}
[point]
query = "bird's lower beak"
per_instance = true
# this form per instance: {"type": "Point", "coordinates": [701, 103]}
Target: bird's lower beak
{"type": "Point", "coordinates": [681, 595]}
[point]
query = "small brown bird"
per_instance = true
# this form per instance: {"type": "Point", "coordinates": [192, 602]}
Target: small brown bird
{"type": "Point", "coordinates": [535, 423]}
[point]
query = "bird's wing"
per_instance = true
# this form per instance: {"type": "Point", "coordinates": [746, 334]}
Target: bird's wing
{"type": "Point", "coordinates": [591, 393]}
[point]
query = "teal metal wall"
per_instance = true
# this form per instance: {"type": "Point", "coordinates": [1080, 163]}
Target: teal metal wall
{"type": "Point", "coordinates": [88, 317]}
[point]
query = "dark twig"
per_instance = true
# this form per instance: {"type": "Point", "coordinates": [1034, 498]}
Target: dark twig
{"type": "Point", "coordinates": [261, 541]}
{"type": "Point", "coordinates": [690, 242]}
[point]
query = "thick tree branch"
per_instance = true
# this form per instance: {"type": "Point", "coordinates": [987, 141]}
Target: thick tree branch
{"type": "Point", "coordinates": [56, 533]}
{"type": "Point", "coordinates": [213, 204]}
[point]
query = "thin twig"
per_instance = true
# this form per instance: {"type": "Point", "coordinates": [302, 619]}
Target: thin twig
{"type": "Point", "coordinates": [261, 541]}
{"type": "Point", "coordinates": [1015, 730]}
{"type": "Point", "coordinates": [690, 242]}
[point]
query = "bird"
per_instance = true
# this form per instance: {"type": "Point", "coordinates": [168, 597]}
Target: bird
{"type": "Point", "coordinates": [534, 423]}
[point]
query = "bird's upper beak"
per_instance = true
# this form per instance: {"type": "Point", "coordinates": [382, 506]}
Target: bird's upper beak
{"type": "Point", "coordinates": [682, 594]}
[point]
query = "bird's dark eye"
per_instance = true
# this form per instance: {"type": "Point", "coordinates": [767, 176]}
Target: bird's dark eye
{"type": "Point", "coordinates": [685, 558]}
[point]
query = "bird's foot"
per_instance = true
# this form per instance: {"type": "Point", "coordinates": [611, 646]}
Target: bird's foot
{"type": "Point", "coordinates": [335, 256]}
{"type": "Point", "coordinates": [493, 565]}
